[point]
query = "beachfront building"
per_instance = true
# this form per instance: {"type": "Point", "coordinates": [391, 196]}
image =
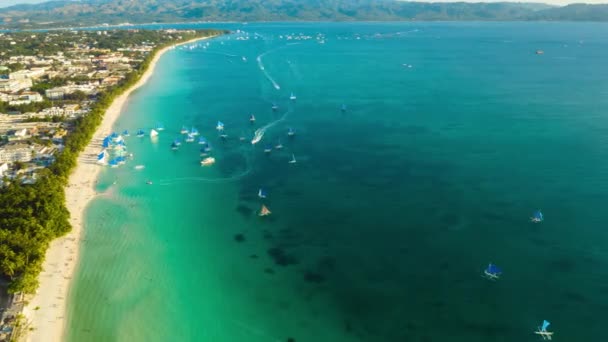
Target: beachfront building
{"type": "Point", "coordinates": [15, 152]}
{"type": "Point", "coordinates": [25, 97]}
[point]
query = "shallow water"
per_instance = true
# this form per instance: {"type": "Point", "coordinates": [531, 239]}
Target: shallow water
{"type": "Point", "coordinates": [382, 228]}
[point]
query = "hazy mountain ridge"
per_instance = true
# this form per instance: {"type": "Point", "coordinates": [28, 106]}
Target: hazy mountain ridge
{"type": "Point", "coordinates": [89, 12]}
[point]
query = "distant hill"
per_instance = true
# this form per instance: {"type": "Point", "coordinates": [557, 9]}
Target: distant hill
{"type": "Point", "coordinates": [90, 12]}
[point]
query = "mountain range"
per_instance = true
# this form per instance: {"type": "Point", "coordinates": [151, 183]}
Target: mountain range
{"type": "Point", "coordinates": [93, 12]}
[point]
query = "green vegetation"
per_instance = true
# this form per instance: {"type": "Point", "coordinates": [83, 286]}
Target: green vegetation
{"type": "Point", "coordinates": [31, 216]}
{"type": "Point", "coordinates": [95, 12]}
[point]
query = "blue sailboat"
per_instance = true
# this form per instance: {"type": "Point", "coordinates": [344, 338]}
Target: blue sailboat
{"type": "Point", "coordinates": [267, 149]}
{"type": "Point", "coordinates": [542, 331]}
{"type": "Point", "coordinates": [106, 142]}
{"type": "Point", "coordinates": [252, 118]}
{"type": "Point", "coordinates": [537, 217]}
{"type": "Point", "coordinates": [279, 146]}
{"type": "Point", "coordinates": [492, 272]}
{"type": "Point", "coordinates": [208, 147]}
{"type": "Point", "coordinates": [125, 133]}
{"type": "Point", "coordinates": [160, 127]}
{"type": "Point", "coordinates": [189, 138]}
{"type": "Point", "coordinates": [291, 132]}
{"type": "Point", "coordinates": [114, 136]}
{"type": "Point", "coordinates": [184, 130]}
{"type": "Point", "coordinates": [175, 144]}
{"type": "Point", "coordinates": [193, 131]}
{"type": "Point", "coordinates": [202, 141]}
{"type": "Point", "coordinates": [292, 97]}
{"type": "Point", "coordinates": [274, 107]}
{"type": "Point", "coordinates": [220, 126]}
{"type": "Point", "coordinates": [262, 193]}
{"type": "Point", "coordinates": [101, 157]}
{"type": "Point", "coordinates": [140, 133]}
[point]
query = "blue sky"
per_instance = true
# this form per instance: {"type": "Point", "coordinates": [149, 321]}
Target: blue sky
{"type": "Point", "coordinates": [5, 3]}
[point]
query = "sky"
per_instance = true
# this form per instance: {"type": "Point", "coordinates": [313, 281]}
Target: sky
{"type": "Point", "coordinates": [5, 3]}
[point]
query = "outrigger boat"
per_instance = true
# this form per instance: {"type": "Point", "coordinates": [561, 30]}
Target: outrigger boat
{"type": "Point", "coordinates": [292, 97]}
{"type": "Point", "coordinates": [537, 217]}
{"type": "Point", "coordinates": [184, 130]}
{"type": "Point", "coordinates": [274, 107]}
{"type": "Point", "coordinates": [175, 145]}
{"type": "Point", "coordinates": [293, 159]}
{"type": "Point", "coordinates": [202, 141]}
{"type": "Point", "coordinates": [208, 161]}
{"type": "Point", "coordinates": [189, 138]}
{"type": "Point", "coordinates": [262, 193]}
{"type": "Point", "coordinates": [492, 272]}
{"type": "Point", "coordinates": [125, 133]}
{"type": "Point", "coordinates": [252, 118]}
{"type": "Point", "coordinates": [220, 126]}
{"type": "Point", "coordinates": [193, 131]}
{"type": "Point", "coordinates": [140, 133]}
{"type": "Point", "coordinates": [224, 136]}
{"type": "Point", "coordinates": [291, 132]}
{"type": "Point", "coordinates": [542, 331]}
{"type": "Point", "coordinates": [279, 146]}
{"type": "Point", "coordinates": [160, 127]}
{"type": "Point", "coordinates": [267, 149]}
{"type": "Point", "coordinates": [264, 211]}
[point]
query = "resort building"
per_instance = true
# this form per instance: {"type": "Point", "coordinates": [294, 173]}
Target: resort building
{"type": "Point", "coordinates": [15, 152]}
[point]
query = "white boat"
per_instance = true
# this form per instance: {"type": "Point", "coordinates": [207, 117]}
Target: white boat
{"type": "Point", "coordinates": [293, 159]}
{"type": "Point", "coordinates": [184, 130]}
{"type": "Point", "coordinates": [292, 97]}
{"type": "Point", "coordinates": [220, 126]}
{"type": "Point", "coordinates": [139, 167]}
{"type": "Point", "coordinates": [279, 146]}
{"type": "Point", "coordinates": [153, 133]}
{"type": "Point", "coordinates": [542, 331]}
{"type": "Point", "coordinates": [208, 161]}
{"type": "Point", "coordinates": [189, 138]}
{"type": "Point", "coordinates": [257, 137]}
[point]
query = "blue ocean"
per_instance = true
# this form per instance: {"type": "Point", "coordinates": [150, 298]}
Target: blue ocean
{"type": "Point", "coordinates": [410, 157]}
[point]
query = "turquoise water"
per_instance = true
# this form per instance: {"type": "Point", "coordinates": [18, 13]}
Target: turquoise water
{"type": "Point", "coordinates": [381, 230]}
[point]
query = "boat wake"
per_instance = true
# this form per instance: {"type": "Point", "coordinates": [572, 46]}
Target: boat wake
{"type": "Point", "coordinates": [263, 69]}
{"type": "Point", "coordinates": [259, 133]}
{"type": "Point", "coordinates": [185, 180]}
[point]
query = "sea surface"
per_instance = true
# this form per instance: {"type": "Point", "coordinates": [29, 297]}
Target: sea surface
{"type": "Point", "coordinates": [453, 134]}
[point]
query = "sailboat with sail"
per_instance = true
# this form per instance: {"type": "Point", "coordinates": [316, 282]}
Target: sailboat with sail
{"type": "Point", "coordinates": [267, 149]}
{"type": "Point", "coordinates": [492, 272]}
{"type": "Point", "coordinates": [153, 133]}
{"type": "Point", "coordinates": [542, 331]}
{"type": "Point", "coordinates": [291, 132]}
{"type": "Point", "coordinates": [189, 138]}
{"type": "Point", "coordinates": [160, 127]}
{"type": "Point", "coordinates": [262, 193]}
{"type": "Point", "coordinates": [140, 133]}
{"type": "Point", "coordinates": [252, 118]}
{"type": "Point", "coordinates": [274, 107]}
{"type": "Point", "coordinates": [537, 217]}
{"type": "Point", "coordinates": [264, 211]}
{"type": "Point", "coordinates": [194, 131]}
{"type": "Point", "coordinates": [220, 126]}
{"type": "Point", "coordinates": [202, 141]}
{"type": "Point", "coordinates": [125, 133]}
{"type": "Point", "coordinates": [101, 157]}
{"type": "Point", "coordinates": [279, 145]}
{"type": "Point", "coordinates": [292, 97]}
{"type": "Point", "coordinates": [184, 130]}
{"type": "Point", "coordinates": [293, 159]}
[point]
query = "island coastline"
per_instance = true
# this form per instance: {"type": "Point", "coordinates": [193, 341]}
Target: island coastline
{"type": "Point", "coordinates": [45, 312]}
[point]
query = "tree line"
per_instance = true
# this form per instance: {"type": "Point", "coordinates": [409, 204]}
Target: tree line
{"type": "Point", "coordinates": [31, 216]}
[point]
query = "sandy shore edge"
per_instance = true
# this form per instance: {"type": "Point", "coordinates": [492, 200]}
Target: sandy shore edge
{"type": "Point", "coordinates": [47, 309]}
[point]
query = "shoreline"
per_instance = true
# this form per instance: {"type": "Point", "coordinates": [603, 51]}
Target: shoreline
{"type": "Point", "coordinates": [47, 309]}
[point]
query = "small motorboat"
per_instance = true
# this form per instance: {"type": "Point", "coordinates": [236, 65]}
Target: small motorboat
{"type": "Point", "coordinates": [208, 161]}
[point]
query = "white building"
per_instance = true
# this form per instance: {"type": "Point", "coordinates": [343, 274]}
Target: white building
{"type": "Point", "coordinates": [3, 169]}
{"type": "Point", "coordinates": [33, 73]}
{"type": "Point", "coordinates": [15, 152]}
{"type": "Point", "coordinates": [15, 85]}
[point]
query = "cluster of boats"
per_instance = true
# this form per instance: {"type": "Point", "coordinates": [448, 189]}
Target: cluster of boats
{"type": "Point", "coordinates": [493, 273]}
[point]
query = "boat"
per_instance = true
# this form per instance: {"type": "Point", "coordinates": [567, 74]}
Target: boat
{"type": "Point", "coordinates": [149, 182]}
{"type": "Point", "coordinates": [242, 138]}
{"type": "Point", "coordinates": [184, 130]}
{"type": "Point", "coordinates": [262, 193]}
{"type": "Point", "coordinates": [343, 108]}
{"type": "Point", "coordinates": [293, 159]}
{"type": "Point", "coordinates": [292, 97]}
{"type": "Point", "coordinates": [140, 133]}
{"type": "Point", "coordinates": [537, 217]}
{"type": "Point", "coordinates": [189, 138]}
{"type": "Point", "coordinates": [114, 136]}
{"type": "Point", "coordinates": [194, 131]}
{"type": "Point", "coordinates": [540, 52]}
{"type": "Point", "coordinates": [291, 132]}
{"type": "Point", "coordinates": [139, 167]}
{"type": "Point", "coordinates": [224, 136]}
{"type": "Point", "coordinates": [121, 160]}
{"type": "Point", "coordinates": [264, 211]}
{"type": "Point", "coordinates": [279, 146]}
{"type": "Point", "coordinates": [125, 133]}
{"type": "Point", "coordinates": [492, 272]}
{"type": "Point", "coordinates": [113, 163]}
{"type": "Point", "coordinates": [267, 149]}
{"type": "Point", "coordinates": [274, 107]}
{"type": "Point", "coordinates": [252, 118]}
{"type": "Point", "coordinates": [542, 331]}
{"type": "Point", "coordinates": [202, 141]}
{"type": "Point", "coordinates": [160, 127]}
{"type": "Point", "coordinates": [175, 144]}
{"type": "Point", "coordinates": [208, 161]}
{"type": "Point", "coordinates": [153, 133]}
{"type": "Point", "coordinates": [106, 142]}
{"type": "Point", "coordinates": [220, 126]}
{"type": "Point", "coordinates": [257, 136]}
{"type": "Point", "coordinates": [101, 157]}
{"type": "Point", "coordinates": [208, 148]}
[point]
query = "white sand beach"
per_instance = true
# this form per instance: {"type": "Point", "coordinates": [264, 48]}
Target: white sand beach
{"type": "Point", "coordinates": [46, 311]}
